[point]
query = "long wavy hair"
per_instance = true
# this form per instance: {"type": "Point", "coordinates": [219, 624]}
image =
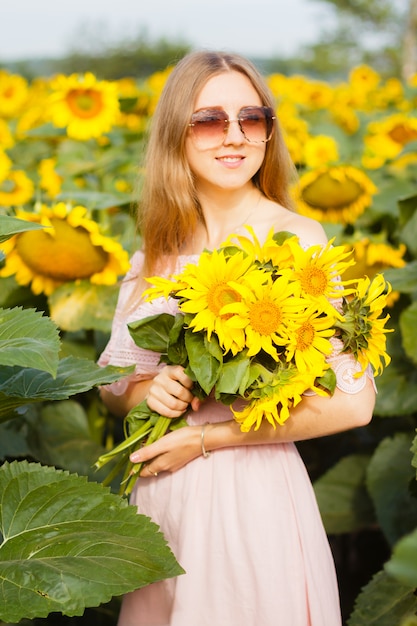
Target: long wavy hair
{"type": "Point", "coordinates": [169, 210]}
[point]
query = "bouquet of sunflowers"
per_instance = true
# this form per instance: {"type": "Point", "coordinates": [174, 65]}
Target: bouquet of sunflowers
{"type": "Point", "coordinates": [257, 323]}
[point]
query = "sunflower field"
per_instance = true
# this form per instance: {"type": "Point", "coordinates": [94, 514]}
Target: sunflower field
{"type": "Point", "coordinates": [70, 155]}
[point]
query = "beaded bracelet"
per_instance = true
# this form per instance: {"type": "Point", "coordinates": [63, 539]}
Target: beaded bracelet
{"type": "Point", "coordinates": [204, 452]}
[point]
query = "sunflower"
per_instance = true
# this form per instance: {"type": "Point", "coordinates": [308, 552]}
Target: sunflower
{"type": "Point", "coordinates": [308, 341]}
{"type": "Point", "coordinates": [320, 150]}
{"type": "Point", "coordinates": [363, 329]}
{"type": "Point", "coordinates": [207, 287]}
{"type": "Point", "coordinates": [70, 248]}
{"type": "Point", "coordinates": [318, 271]}
{"type": "Point", "coordinates": [15, 189]}
{"type": "Point", "coordinates": [336, 194]}
{"type": "Point", "coordinates": [85, 106]}
{"type": "Point", "coordinates": [50, 180]}
{"type": "Point", "coordinates": [264, 311]}
{"type": "Point", "coordinates": [13, 94]}
{"type": "Point", "coordinates": [6, 136]}
{"type": "Point", "coordinates": [373, 257]}
{"type": "Point", "coordinates": [274, 399]}
{"type": "Point", "coordinates": [5, 165]}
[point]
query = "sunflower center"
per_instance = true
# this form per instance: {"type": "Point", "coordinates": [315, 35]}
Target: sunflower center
{"type": "Point", "coordinates": [305, 336]}
{"type": "Point", "coordinates": [85, 103]}
{"type": "Point", "coordinates": [67, 255]}
{"type": "Point", "coordinates": [403, 134]}
{"type": "Point", "coordinates": [265, 317]}
{"type": "Point", "coordinates": [219, 295]}
{"type": "Point", "coordinates": [325, 192]}
{"type": "Point", "coordinates": [313, 281]}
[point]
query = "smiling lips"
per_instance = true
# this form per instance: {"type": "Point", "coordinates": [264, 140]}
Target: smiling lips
{"type": "Point", "coordinates": [231, 160]}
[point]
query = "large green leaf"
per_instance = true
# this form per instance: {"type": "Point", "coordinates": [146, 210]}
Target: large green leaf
{"type": "Point", "coordinates": [10, 226]}
{"type": "Point", "coordinates": [383, 602]}
{"type": "Point", "coordinates": [342, 498]}
{"type": "Point", "coordinates": [81, 306]}
{"type": "Point", "coordinates": [403, 563]}
{"type": "Point", "coordinates": [28, 339]}
{"type": "Point", "coordinates": [388, 478]}
{"type": "Point", "coordinates": [69, 544]}
{"type": "Point", "coordinates": [20, 386]}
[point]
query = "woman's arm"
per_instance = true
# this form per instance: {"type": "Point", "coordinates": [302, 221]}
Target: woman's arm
{"type": "Point", "coordinates": [315, 416]}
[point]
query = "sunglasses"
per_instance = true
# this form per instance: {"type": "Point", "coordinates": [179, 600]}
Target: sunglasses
{"type": "Point", "coordinates": [209, 126]}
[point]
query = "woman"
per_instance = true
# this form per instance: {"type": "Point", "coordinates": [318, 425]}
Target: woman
{"type": "Point", "coordinates": [242, 521]}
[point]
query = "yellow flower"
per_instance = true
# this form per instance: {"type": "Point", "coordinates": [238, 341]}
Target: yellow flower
{"type": "Point", "coordinates": [334, 194]}
{"type": "Point", "coordinates": [5, 165]}
{"type": "Point", "coordinates": [275, 398]}
{"type": "Point", "coordinates": [209, 286]}
{"type": "Point", "coordinates": [400, 128]}
{"type": "Point", "coordinates": [85, 106]}
{"type": "Point", "coordinates": [308, 342]}
{"type": "Point", "coordinates": [373, 257]}
{"type": "Point", "coordinates": [70, 248]}
{"type": "Point", "coordinates": [264, 311]}
{"type": "Point", "coordinates": [6, 137]}
{"type": "Point", "coordinates": [51, 181]}
{"type": "Point", "coordinates": [364, 79]}
{"type": "Point", "coordinates": [318, 271]}
{"type": "Point", "coordinates": [13, 94]}
{"type": "Point", "coordinates": [363, 329]}
{"type": "Point", "coordinates": [320, 150]}
{"type": "Point", "coordinates": [345, 117]}
{"type": "Point", "coordinates": [15, 189]}
{"type": "Point", "coordinates": [378, 149]}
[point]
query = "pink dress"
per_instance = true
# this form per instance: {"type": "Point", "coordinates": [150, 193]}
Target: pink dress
{"type": "Point", "coordinates": [243, 523]}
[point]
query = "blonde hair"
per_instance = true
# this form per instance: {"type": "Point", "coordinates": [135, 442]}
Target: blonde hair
{"type": "Point", "coordinates": [169, 210]}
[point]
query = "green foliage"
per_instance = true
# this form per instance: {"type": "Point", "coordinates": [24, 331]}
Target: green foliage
{"type": "Point", "coordinates": [68, 544]}
{"type": "Point", "coordinates": [383, 602]}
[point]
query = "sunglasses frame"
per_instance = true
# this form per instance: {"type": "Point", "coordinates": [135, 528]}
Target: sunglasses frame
{"type": "Point", "coordinates": [269, 119]}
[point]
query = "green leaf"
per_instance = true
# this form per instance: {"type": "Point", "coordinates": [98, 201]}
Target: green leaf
{"type": "Point", "coordinates": [152, 333]}
{"type": "Point", "coordinates": [408, 324]}
{"type": "Point", "coordinates": [397, 390]}
{"type": "Point", "coordinates": [66, 440]}
{"type": "Point", "coordinates": [69, 544]}
{"type": "Point", "coordinates": [29, 339]}
{"type": "Point", "coordinates": [388, 477]}
{"type": "Point", "coordinates": [79, 306]}
{"type": "Point", "coordinates": [203, 366]}
{"type": "Point", "coordinates": [95, 199]}
{"type": "Point", "coordinates": [20, 386]}
{"type": "Point", "coordinates": [383, 602]}
{"type": "Point", "coordinates": [232, 375]}
{"type": "Point", "coordinates": [403, 279]}
{"type": "Point", "coordinates": [10, 226]}
{"type": "Point", "coordinates": [342, 498]}
{"type": "Point", "coordinates": [403, 563]}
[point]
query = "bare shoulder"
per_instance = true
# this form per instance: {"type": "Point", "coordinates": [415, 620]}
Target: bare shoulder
{"type": "Point", "coordinates": [279, 218]}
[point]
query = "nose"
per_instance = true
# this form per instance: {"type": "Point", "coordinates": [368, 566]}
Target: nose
{"type": "Point", "coordinates": [233, 133]}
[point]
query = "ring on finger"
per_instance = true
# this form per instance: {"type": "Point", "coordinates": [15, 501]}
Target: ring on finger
{"type": "Point", "coordinates": [151, 472]}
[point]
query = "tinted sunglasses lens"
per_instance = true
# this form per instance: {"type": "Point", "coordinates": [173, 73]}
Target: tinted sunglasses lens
{"type": "Point", "coordinates": [208, 126]}
{"type": "Point", "coordinates": [256, 123]}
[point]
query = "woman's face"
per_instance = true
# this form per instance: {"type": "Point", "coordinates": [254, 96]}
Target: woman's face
{"type": "Point", "coordinates": [233, 161]}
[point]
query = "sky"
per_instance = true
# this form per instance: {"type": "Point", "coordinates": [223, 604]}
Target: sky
{"type": "Point", "coordinates": [50, 28]}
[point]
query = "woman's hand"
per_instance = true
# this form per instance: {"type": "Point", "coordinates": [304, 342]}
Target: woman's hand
{"type": "Point", "coordinates": [170, 393]}
{"type": "Point", "coordinates": [169, 453]}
